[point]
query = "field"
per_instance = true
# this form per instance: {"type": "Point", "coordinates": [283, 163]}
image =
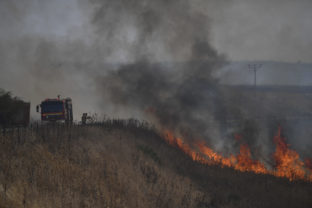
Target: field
{"type": "Point", "coordinates": [121, 163]}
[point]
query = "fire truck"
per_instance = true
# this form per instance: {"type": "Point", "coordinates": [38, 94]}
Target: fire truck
{"type": "Point", "coordinates": [53, 110]}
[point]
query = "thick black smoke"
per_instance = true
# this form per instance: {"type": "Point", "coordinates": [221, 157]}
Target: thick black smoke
{"type": "Point", "coordinates": [183, 98]}
{"type": "Point", "coordinates": [183, 102]}
{"type": "Point", "coordinates": [149, 59]}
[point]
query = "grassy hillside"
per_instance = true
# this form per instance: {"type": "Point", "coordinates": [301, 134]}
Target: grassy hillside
{"type": "Point", "coordinates": [125, 164]}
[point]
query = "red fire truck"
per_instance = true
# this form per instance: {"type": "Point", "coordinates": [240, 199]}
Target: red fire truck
{"type": "Point", "coordinates": [56, 109]}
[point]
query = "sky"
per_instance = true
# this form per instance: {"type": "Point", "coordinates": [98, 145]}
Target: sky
{"type": "Point", "coordinates": [72, 48]}
{"type": "Point", "coordinates": [278, 30]}
{"type": "Point", "coordinates": [50, 47]}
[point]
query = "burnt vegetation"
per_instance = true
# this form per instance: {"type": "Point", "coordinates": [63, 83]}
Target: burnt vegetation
{"type": "Point", "coordinates": [125, 163]}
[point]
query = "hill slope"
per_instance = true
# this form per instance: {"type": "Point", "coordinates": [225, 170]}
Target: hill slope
{"type": "Point", "coordinates": [125, 164]}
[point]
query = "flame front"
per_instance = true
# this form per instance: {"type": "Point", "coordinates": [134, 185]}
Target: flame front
{"type": "Point", "coordinates": [287, 161]}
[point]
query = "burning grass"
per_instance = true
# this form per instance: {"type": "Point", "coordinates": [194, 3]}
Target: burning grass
{"type": "Point", "coordinates": [122, 163]}
{"type": "Point", "coordinates": [287, 161]}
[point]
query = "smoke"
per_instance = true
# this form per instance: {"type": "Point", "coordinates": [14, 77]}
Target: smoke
{"type": "Point", "coordinates": [156, 30]}
{"type": "Point", "coordinates": [182, 98]}
{"type": "Point", "coordinates": [278, 30]}
{"type": "Point", "coordinates": [152, 60]}
{"type": "Point", "coordinates": [46, 50]}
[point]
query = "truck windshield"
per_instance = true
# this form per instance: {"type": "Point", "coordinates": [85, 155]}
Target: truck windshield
{"type": "Point", "coordinates": [52, 107]}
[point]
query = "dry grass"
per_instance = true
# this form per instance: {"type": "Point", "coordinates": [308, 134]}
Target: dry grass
{"type": "Point", "coordinates": [125, 164]}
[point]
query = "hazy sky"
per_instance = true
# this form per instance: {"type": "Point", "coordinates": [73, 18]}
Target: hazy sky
{"type": "Point", "coordinates": [242, 29]}
{"type": "Point", "coordinates": [278, 30]}
{"type": "Point", "coordinates": [50, 47]}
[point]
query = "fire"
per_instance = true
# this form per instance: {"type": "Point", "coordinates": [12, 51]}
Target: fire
{"type": "Point", "coordinates": [246, 163]}
{"type": "Point", "coordinates": [287, 161]}
{"type": "Point", "coordinates": [242, 161]}
{"type": "Point", "coordinates": [213, 157]}
{"type": "Point", "coordinates": [183, 146]}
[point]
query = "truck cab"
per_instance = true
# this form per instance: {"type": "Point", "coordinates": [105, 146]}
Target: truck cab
{"type": "Point", "coordinates": [53, 110]}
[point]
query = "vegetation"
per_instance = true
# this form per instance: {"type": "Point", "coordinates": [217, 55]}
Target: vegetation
{"type": "Point", "coordinates": [121, 163]}
{"type": "Point", "coordinates": [13, 111]}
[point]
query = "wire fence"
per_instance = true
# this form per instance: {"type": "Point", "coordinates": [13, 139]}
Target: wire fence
{"type": "Point", "coordinates": [56, 133]}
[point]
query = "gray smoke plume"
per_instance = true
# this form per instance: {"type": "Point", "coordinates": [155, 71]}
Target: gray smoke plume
{"type": "Point", "coordinates": [46, 49]}
{"type": "Point", "coordinates": [183, 98]}
{"type": "Point", "coordinates": [151, 59]}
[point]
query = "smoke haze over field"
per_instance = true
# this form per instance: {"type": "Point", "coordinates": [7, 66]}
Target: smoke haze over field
{"type": "Point", "coordinates": [49, 47]}
{"type": "Point", "coordinates": [144, 58]}
{"type": "Point", "coordinates": [278, 30]}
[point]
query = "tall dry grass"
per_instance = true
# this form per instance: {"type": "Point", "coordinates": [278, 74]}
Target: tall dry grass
{"type": "Point", "coordinates": [120, 163]}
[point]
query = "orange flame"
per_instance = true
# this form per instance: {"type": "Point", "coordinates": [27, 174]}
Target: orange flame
{"type": "Point", "coordinates": [287, 161]}
{"type": "Point", "coordinates": [246, 163]}
{"type": "Point", "coordinates": [242, 161]}
{"type": "Point", "coordinates": [183, 146]}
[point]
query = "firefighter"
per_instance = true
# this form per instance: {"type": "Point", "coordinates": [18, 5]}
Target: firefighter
{"type": "Point", "coordinates": [84, 118]}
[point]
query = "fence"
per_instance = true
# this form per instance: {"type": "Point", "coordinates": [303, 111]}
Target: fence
{"type": "Point", "coordinates": [60, 132]}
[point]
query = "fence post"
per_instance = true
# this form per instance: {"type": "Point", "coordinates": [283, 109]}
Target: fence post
{"type": "Point", "coordinates": [18, 135]}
